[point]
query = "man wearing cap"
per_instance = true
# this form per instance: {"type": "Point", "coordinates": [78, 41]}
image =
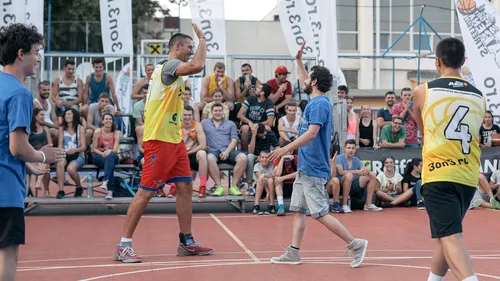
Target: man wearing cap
{"type": "Point", "coordinates": [282, 89]}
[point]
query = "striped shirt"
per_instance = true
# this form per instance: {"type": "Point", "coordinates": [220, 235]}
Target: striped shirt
{"type": "Point", "coordinates": [258, 111]}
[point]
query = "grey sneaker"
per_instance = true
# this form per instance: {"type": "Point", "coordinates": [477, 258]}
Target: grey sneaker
{"type": "Point", "coordinates": [494, 203]}
{"type": "Point", "coordinates": [291, 256]}
{"type": "Point", "coordinates": [358, 249]}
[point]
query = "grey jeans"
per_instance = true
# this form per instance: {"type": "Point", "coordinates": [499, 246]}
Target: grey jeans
{"type": "Point", "coordinates": [309, 192]}
{"type": "Point", "coordinates": [8, 263]}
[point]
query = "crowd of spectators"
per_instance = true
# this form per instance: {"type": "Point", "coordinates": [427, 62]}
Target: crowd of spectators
{"type": "Point", "coordinates": [239, 122]}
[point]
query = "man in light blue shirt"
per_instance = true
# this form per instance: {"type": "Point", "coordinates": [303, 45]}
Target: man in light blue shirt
{"type": "Point", "coordinates": [19, 56]}
{"type": "Point", "coordinates": [309, 188]}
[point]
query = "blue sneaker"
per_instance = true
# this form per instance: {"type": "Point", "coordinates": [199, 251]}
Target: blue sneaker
{"type": "Point", "coordinates": [281, 210]}
{"type": "Point", "coordinates": [251, 191]}
{"type": "Point", "coordinates": [336, 208]}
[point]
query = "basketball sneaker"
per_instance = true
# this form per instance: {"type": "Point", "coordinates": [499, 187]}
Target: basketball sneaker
{"type": "Point", "coordinates": [358, 248]}
{"type": "Point", "coordinates": [125, 253]}
{"type": "Point", "coordinates": [193, 250]}
{"type": "Point", "coordinates": [291, 256]}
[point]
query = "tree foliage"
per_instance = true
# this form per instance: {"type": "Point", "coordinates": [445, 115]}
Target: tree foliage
{"type": "Point", "coordinates": [70, 20]}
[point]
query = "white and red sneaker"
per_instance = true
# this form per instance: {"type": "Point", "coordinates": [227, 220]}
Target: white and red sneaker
{"type": "Point", "coordinates": [193, 250]}
{"type": "Point", "coordinates": [126, 254]}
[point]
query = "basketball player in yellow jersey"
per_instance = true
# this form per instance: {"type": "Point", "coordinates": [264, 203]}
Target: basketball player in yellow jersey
{"type": "Point", "coordinates": [165, 156]}
{"type": "Point", "coordinates": [449, 112]}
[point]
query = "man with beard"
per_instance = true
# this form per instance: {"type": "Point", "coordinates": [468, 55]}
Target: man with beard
{"type": "Point", "coordinates": [165, 156]}
{"type": "Point", "coordinates": [19, 56]}
{"type": "Point", "coordinates": [309, 191]}
{"type": "Point", "coordinates": [384, 116]}
{"type": "Point", "coordinates": [405, 111]}
{"type": "Point", "coordinates": [43, 102]}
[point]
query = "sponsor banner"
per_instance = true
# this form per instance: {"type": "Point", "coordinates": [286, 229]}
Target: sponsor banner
{"type": "Point", "coordinates": [116, 27]}
{"type": "Point", "coordinates": [122, 86]}
{"type": "Point", "coordinates": [374, 159]}
{"type": "Point", "coordinates": [480, 29]}
{"type": "Point", "coordinates": [34, 14]}
{"type": "Point", "coordinates": [296, 26]}
{"type": "Point", "coordinates": [12, 11]}
{"type": "Point", "coordinates": [209, 16]}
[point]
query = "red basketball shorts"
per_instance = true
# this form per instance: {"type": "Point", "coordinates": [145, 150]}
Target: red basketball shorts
{"type": "Point", "coordinates": [164, 163]}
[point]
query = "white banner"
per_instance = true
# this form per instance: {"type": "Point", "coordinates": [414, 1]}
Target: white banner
{"type": "Point", "coordinates": [209, 16]}
{"type": "Point", "coordinates": [34, 14]}
{"type": "Point", "coordinates": [480, 29]}
{"type": "Point", "coordinates": [12, 11]}
{"type": "Point", "coordinates": [116, 27]}
{"type": "Point", "coordinates": [296, 26]}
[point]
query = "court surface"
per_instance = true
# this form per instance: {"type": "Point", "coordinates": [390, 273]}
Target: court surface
{"type": "Point", "coordinates": [400, 248]}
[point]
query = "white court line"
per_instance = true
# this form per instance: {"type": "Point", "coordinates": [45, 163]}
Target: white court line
{"type": "Point", "coordinates": [316, 259]}
{"type": "Point", "coordinates": [497, 253]}
{"type": "Point", "coordinates": [202, 217]}
{"type": "Point", "coordinates": [262, 263]}
{"type": "Point", "coordinates": [235, 238]}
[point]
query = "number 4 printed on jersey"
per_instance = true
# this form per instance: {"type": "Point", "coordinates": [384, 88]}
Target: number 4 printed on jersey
{"type": "Point", "coordinates": [455, 130]}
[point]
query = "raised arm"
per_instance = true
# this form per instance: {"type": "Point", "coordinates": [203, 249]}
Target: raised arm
{"type": "Point", "coordinates": [198, 62]}
{"type": "Point", "coordinates": [300, 65]}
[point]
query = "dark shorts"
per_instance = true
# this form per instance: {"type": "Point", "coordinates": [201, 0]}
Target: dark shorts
{"type": "Point", "coordinates": [446, 204]}
{"type": "Point", "coordinates": [193, 164]}
{"type": "Point", "coordinates": [12, 227]}
{"type": "Point", "coordinates": [357, 191]}
{"type": "Point", "coordinates": [231, 159]}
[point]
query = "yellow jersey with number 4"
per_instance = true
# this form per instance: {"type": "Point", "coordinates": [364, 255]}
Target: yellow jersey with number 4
{"type": "Point", "coordinates": [452, 115]}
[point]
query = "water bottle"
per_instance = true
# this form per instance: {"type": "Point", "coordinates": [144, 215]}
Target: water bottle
{"type": "Point", "coordinates": [90, 187]}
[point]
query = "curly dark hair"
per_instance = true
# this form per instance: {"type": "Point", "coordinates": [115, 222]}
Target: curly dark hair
{"type": "Point", "coordinates": [17, 36]}
{"type": "Point", "coordinates": [323, 76]}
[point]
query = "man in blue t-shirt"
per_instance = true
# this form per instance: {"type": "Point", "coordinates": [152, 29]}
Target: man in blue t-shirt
{"type": "Point", "coordinates": [19, 56]}
{"type": "Point", "coordinates": [309, 188]}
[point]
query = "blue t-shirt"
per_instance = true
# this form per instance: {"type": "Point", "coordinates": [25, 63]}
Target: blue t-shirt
{"type": "Point", "coordinates": [342, 161]}
{"type": "Point", "coordinates": [314, 157]}
{"type": "Point", "coordinates": [16, 109]}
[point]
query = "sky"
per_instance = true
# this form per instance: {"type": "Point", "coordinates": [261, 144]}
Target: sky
{"type": "Point", "coordinates": [233, 9]}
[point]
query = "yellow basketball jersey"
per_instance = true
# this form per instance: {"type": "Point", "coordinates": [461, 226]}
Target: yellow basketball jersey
{"type": "Point", "coordinates": [212, 85]}
{"type": "Point", "coordinates": [452, 115]}
{"type": "Point", "coordinates": [163, 109]}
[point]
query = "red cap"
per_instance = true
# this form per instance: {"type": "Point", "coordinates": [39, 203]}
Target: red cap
{"type": "Point", "coordinates": [281, 70]}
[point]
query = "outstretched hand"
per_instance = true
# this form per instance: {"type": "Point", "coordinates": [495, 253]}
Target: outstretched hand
{"type": "Point", "coordinates": [300, 51]}
{"type": "Point", "coordinates": [198, 31]}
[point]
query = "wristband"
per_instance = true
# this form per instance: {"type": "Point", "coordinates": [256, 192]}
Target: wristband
{"type": "Point", "coordinates": [43, 154]}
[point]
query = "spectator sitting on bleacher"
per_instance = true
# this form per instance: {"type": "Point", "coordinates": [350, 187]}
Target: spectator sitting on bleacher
{"type": "Point", "coordinates": [288, 125]}
{"type": "Point", "coordinates": [137, 91]}
{"type": "Point", "coordinates": [138, 113]}
{"type": "Point", "coordinates": [405, 111]}
{"type": "Point", "coordinates": [342, 92]}
{"type": "Point", "coordinates": [220, 80]}
{"type": "Point", "coordinates": [72, 139]}
{"type": "Point", "coordinates": [393, 135]}
{"type": "Point", "coordinates": [410, 195]}
{"type": "Point", "coordinates": [355, 179]}
{"type": "Point", "coordinates": [43, 102]}
{"type": "Point", "coordinates": [216, 98]}
{"type": "Point", "coordinates": [96, 112]}
{"type": "Point", "coordinates": [105, 144]}
{"type": "Point", "coordinates": [285, 170]}
{"type": "Point", "coordinates": [196, 145]}
{"type": "Point", "coordinates": [484, 191]}
{"type": "Point", "coordinates": [39, 137]}
{"type": "Point", "coordinates": [264, 176]}
{"type": "Point", "coordinates": [352, 119]}
{"type": "Point", "coordinates": [384, 116]}
{"type": "Point", "coordinates": [391, 189]}
{"type": "Point", "coordinates": [222, 139]}
{"type": "Point", "coordinates": [333, 186]}
{"type": "Point", "coordinates": [367, 132]}
{"type": "Point", "coordinates": [256, 109]}
{"type": "Point", "coordinates": [281, 90]}
{"type": "Point", "coordinates": [495, 188]}
{"type": "Point", "coordinates": [260, 139]}
{"type": "Point", "coordinates": [187, 97]}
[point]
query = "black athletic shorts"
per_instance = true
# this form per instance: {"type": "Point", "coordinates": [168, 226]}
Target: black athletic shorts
{"type": "Point", "coordinates": [446, 204]}
{"type": "Point", "coordinates": [193, 164]}
{"type": "Point", "coordinates": [11, 227]}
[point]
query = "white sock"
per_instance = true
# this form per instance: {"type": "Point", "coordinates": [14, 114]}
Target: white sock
{"type": "Point", "coordinates": [434, 277]}
{"type": "Point", "coordinates": [124, 240]}
{"type": "Point", "coordinates": [471, 278]}
{"type": "Point", "coordinates": [280, 200]}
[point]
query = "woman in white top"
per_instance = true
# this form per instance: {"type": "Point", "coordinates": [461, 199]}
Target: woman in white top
{"type": "Point", "coordinates": [288, 125]}
{"type": "Point", "coordinates": [390, 180]}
